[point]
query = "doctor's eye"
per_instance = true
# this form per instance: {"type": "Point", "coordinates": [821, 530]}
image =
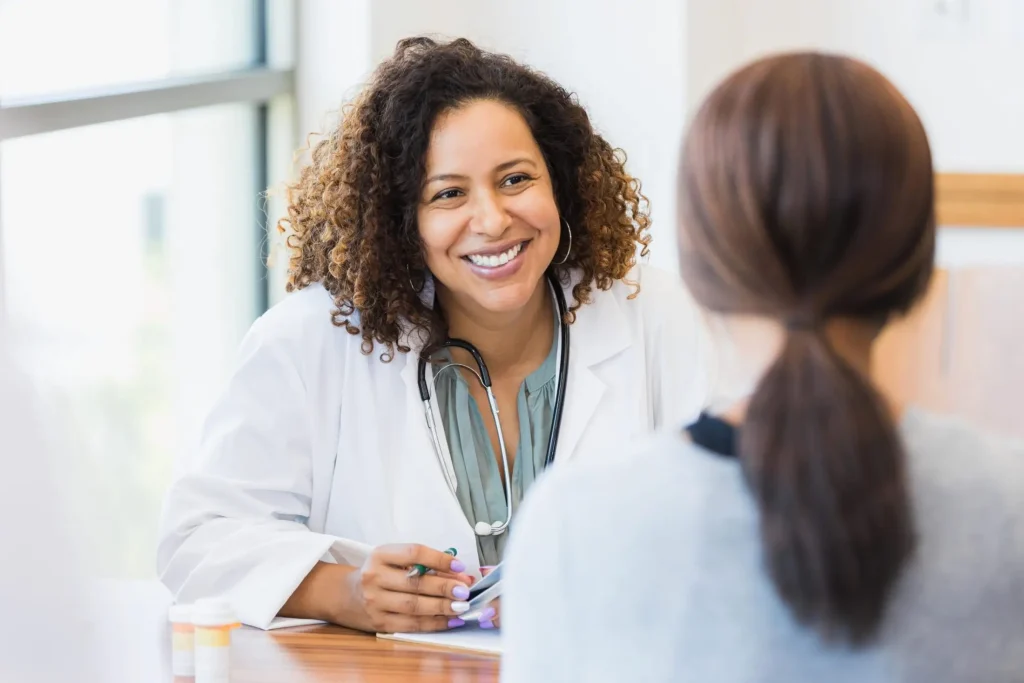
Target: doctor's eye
{"type": "Point", "coordinates": [451, 193]}
{"type": "Point", "coordinates": [516, 179]}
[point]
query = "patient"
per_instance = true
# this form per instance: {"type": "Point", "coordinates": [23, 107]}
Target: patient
{"type": "Point", "coordinates": [847, 538]}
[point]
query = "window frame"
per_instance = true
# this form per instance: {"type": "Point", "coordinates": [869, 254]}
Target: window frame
{"type": "Point", "coordinates": [257, 84]}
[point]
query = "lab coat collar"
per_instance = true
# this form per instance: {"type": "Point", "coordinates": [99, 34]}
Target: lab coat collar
{"type": "Point", "coordinates": [601, 331]}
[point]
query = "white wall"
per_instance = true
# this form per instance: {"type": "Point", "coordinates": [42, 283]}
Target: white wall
{"type": "Point", "coordinates": [964, 77]}
{"type": "Point", "coordinates": [332, 58]}
{"type": "Point", "coordinates": [725, 34]}
{"type": "Point", "coordinates": [331, 52]}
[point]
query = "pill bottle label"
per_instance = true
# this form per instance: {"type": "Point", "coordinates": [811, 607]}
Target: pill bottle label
{"type": "Point", "coordinates": [213, 637]}
{"type": "Point", "coordinates": [182, 652]}
{"type": "Point", "coordinates": [213, 665]}
{"type": "Point", "coordinates": [213, 654]}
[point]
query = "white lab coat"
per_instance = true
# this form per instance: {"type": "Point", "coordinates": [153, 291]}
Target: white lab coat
{"type": "Point", "coordinates": [319, 452]}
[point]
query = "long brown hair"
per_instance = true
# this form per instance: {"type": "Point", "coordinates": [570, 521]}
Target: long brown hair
{"type": "Point", "coordinates": [807, 196]}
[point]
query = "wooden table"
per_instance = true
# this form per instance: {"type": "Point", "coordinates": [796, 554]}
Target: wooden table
{"type": "Point", "coordinates": [137, 638]}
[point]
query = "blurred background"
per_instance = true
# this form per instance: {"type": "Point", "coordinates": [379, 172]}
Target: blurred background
{"type": "Point", "coordinates": [138, 139]}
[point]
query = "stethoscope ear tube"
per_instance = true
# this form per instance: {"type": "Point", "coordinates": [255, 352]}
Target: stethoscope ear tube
{"type": "Point", "coordinates": [563, 374]}
{"type": "Point", "coordinates": [485, 377]}
{"type": "Point", "coordinates": [421, 380]}
{"type": "Point", "coordinates": [421, 371]}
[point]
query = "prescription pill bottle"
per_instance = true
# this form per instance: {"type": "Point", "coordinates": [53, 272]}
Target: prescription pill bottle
{"type": "Point", "coordinates": [214, 620]}
{"type": "Point", "coordinates": [183, 661]}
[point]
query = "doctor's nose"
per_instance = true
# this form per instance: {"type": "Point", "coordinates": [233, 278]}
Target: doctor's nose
{"type": "Point", "coordinates": [491, 218]}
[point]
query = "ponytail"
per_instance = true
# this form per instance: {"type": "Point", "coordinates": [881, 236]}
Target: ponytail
{"type": "Point", "coordinates": [826, 466]}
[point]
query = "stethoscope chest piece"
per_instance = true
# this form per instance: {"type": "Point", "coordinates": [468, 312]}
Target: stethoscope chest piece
{"type": "Point", "coordinates": [492, 529]}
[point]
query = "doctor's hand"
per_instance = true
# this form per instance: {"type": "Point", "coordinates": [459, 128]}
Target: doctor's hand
{"type": "Point", "coordinates": [491, 618]}
{"type": "Point", "coordinates": [386, 600]}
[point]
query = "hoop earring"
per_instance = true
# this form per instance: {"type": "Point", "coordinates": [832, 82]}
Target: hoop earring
{"type": "Point", "coordinates": [415, 289]}
{"type": "Point", "coordinates": [567, 251]}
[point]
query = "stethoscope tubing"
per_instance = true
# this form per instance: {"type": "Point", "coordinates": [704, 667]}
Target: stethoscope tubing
{"type": "Point", "coordinates": [484, 378]}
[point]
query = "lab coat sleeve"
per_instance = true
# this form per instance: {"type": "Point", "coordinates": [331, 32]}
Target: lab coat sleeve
{"type": "Point", "coordinates": [235, 525]}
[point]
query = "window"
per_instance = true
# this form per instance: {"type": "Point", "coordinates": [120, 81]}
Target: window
{"type": "Point", "coordinates": [133, 233]}
{"type": "Point", "coordinates": [49, 46]}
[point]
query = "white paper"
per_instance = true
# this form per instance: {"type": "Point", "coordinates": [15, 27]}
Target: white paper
{"type": "Point", "coordinates": [289, 622]}
{"type": "Point", "coordinates": [470, 637]}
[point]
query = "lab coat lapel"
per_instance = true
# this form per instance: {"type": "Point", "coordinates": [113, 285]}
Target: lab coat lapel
{"type": "Point", "coordinates": [416, 340]}
{"type": "Point", "coordinates": [600, 332]}
{"type": "Point", "coordinates": [410, 376]}
{"type": "Point", "coordinates": [426, 511]}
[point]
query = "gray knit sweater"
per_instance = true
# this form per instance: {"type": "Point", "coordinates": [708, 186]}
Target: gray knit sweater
{"type": "Point", "coordinates": [646, 567]}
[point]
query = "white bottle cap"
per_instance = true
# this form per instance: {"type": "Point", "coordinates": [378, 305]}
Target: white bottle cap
{"type": "Point", "coordinates": [180, 614]}
{"type": "Point", "coordinates": [213, 612]}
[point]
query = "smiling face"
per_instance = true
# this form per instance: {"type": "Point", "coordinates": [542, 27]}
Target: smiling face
{"type": "Point", "coordinates": [487, 216]}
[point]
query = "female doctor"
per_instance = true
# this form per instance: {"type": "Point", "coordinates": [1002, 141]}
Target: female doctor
{"type": "Point", "coordinates": [463, 197]}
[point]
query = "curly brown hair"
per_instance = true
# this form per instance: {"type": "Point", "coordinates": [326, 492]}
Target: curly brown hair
{"type": "Point", "coordinates": [352, 212]}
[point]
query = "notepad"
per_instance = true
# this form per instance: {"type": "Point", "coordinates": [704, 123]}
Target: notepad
{"type": "Point", "coordinates": [470, 638]}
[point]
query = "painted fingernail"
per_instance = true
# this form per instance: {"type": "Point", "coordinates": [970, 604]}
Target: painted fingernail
{"type": "Point", "coordinates": [488, 614]}
{"type": "Point", "coordinates": [460, 607]}
{"type": "Point", "coordinates": [460, 592]}
{"type": "Point", "coordinates": [486, 624]}
{"type": "Point", "coordinates": [455, 622]}
{"type": "Point", "coordinates": [458, 566]}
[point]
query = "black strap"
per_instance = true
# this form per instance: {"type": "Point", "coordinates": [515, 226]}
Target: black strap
{"type": "Point", "coordinates": [714, 434]}
{"type": "Point", "coordinates": [563, 372]}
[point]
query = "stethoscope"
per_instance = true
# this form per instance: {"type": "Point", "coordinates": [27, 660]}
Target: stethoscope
{"type": "Point", "coordinates": [483, 376]}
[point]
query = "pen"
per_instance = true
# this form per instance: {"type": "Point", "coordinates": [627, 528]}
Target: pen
{"type": "Point", "coordinates": [420, 570]}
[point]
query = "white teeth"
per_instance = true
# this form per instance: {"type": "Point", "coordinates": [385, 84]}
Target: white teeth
{"type": "Point", "coordinates": [495, 260]}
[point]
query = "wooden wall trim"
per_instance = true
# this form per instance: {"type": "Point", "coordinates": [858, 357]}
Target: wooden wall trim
{"type": "Point", "coordinates": [980, 199]}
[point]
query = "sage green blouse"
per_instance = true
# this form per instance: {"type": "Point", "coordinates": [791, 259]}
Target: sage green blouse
{"type": "Point", "coordinates": [477, 469]}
